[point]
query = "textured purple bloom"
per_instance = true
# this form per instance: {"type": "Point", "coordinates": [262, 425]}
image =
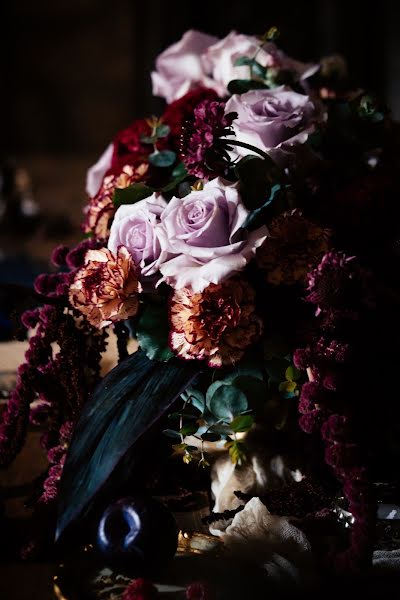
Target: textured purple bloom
{"type": "Point", "coordinates": [59, 255]}
{"type": "Point", "coordinates": [201, 154]}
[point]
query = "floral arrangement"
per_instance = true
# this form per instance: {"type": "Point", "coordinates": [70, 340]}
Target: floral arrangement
{"type": "Point", "coordinates": [248, 240]}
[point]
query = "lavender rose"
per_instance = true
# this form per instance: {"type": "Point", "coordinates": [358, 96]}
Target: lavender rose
{"type": "Point", "coordinates": [179, 67]}
{"type": "Point", "coordinates": [272, 120]}
{"type": "Point", "coordinates": [96, 173]}
{"type": "Point", "coordinates": [219, 59]}
{"type": "Point", "coordinates": [137, 227]}
{"type": "Point", "coordinates": [204, 232]}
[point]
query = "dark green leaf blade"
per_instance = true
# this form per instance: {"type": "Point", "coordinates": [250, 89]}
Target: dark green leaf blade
{"type": "Point", "coordinates": [123, 407]}
{"type": "Point", "coordinates": [131, 194]}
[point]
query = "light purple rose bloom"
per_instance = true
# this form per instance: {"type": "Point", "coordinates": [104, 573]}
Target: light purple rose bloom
{"type": "Point", "coordinates": [219, 59]}
{"type": "Point", "coordinates": [204, 232]}
{"type": "Point", "coordinates": [137, 227]}
{"type": "Point", "coordinates": [179, 68]}
{"type": "Point", "coordinates": [96, 173]}
{"type": "Point", "coordinates": [274, 121]}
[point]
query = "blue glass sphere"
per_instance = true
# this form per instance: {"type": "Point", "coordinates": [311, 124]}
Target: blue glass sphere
{"type": "Point", "coordinates": [137, 535]}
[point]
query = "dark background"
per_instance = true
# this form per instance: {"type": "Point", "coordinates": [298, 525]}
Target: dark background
{"type": "Point", "coordinates": [74, 73]}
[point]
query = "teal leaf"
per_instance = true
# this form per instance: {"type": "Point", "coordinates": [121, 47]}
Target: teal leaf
{"type": "Point", "coordinates": [241, 86]}
{"type": "Point", "coordinates": [210, 437]}
{"type": "Point", "coordinates": [258, 70]}
{"type": "Point", "coordinates": [256, 176]}
{"type": "Point", "coordinates": [188, 429]}
{"type": "Point", "coordinates": [152, 331]}
{"type": "Point", "coordinates": [211, 389]}
{"type": "Point", "coordinates": [148, 139]}
{"type": "Point", "coordinates": [257, 217]}
{"type": "Point", "coordinates": [162, 130]}
{"type": "Point", "coordinates": [165, 158]}
{"type": "Point", "coordinates": [171, 433]}
{"type": "Point", "coordinates": [227, 402]}
{"type": "Point", "coordinates": [243, 61]}
{"type": "Point", "coordinates": [132, 194]}
{"type": "Point", "coordinates": [128, 401]}
{"type": "Point", "coordinates": [195, 398]}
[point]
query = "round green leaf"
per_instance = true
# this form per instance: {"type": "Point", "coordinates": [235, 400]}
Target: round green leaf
{"type": "Point", "coordinates": [152, 332]}
{"type": "Point", "coordinates": [242, 423]}
{"type": "Point", "coordinates": [292, 373]}
{"type": "Point", "coordinates": [227, 402]}
{"type": "Point", "coordinates": [165, 158]}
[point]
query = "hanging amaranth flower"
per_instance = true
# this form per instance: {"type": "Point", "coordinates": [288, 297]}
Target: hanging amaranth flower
{"type": "Point", "coordinates": [202, 156]}
{"type": "Point", "coordinates": [340, 287]}
{"type": "Point", "coordinates": [293, 246]}
{"type": "Point", "coordinates": [216, 325]}
{"type": "Point", "coordinates": [106, 288]}
{"type": "Point", "coordinates": [101, 209]}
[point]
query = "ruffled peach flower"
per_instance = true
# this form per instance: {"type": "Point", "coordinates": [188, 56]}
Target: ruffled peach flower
{"type": "Point", "coordinates": [294, 245]}
{"type": "Point", "coordinates": [101, 209]}
{"type": "Point", "coordinates": [216, 325]}
{"type": "Point", "coordinates": [106, 288]}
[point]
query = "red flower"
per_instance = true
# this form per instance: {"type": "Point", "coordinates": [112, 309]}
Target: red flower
{"type": "Point", "coordinates": [181, 110]}
{"type": "Point", "coordinates": [197, 591]}
{"type": "Point", "coordinates": [128, 147]}
{"type": "Point", "coordinates": [140, 589]}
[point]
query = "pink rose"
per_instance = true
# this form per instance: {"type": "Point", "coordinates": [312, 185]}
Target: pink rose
{"type": "Point", "coordinates": [96, 173]}
{"type": "Point", "coordinates": [272, 120]}
{"type": "Point", "coordinates": [204, 232]}
{"type": "Point", "coordinates": [179, 67]}
{"type": "Point", "coordinates": [136, 226]}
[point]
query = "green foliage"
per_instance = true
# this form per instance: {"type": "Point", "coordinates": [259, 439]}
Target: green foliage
{"type": "Point", "coordinates": [256, 178]}
{"type": "Point", "coordinates": [237, 451]}
{"type": "Point", "coordinates": [152, 332]}
{"type": "Point", "coordinates": [242, 423]}
{"type": "Point", "coordinates": [131, 194]}
{"type": "Point", "coordinates": [227, 402]}
{"type": "Point", "coordinates": [241, 86]}
{"type": "Point", "coordinates": [163, 159]}
{"type": "Point", "coordinates": [178, 174]}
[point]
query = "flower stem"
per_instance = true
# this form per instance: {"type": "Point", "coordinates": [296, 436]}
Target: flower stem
{"type": "Point", "coordinates": [226, 142]}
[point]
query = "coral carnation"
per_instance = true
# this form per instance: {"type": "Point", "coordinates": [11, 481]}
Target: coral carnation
{"type": "Point", "coordinates": [101, 209]}
{"type": "Point", "coordinates": [106, 288]}
{"type": "Point", "coordinates": [216, 325]}
{"type": "Point", "coordinates": [294, 245]}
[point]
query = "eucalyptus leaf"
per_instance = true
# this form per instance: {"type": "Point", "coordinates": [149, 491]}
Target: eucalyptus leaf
{"type": "Point", "coordinates": [148, 139]}
{"type": "Point", "coordinates": [242, 423]}
{"type": "Point", "coordinates": [195, 398]}
{"type": "Point", "coordinates": [128, 401]}
{"type": "Point", "coordinates": [258, 70]}
{"type": "Point", "coordinates": [132, 194]}
{"type": "Point", "coordinates": [227, 402]}
{"type": "Point", "coordinates": [243, 61]}
{"type": "Point", "coordinates": [211, 389]}
{"type": "Point", "coordinates": [172, 433]}
{"type": "Point", "coordinates": [163, 130]}
{"type": "Point", "coordinates": [152, 331]}
{"type": "Point", "coordinates": [165, 158]}
{"type": "Point", "coordinates": [241, 86]}
{"type": "Point", "coordinates": [210, 437]}
{"type": "Point", "coordinates": [292, 373]}
{"type": "Point", "coordinates": [256, 177]}
{"type": "Point", "coordinates": [188, 429]}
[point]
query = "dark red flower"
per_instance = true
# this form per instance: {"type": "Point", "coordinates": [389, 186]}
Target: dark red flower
{"type": "Point", "coordinates": [140, 589]}
{"type": "Point", "coordinates": [177, 113]}
{"type": "Point", "coordinates": [128, 147]}
{"type": "Point", "coordinates": [197, 591]}
{"type": "Point", "coordinates": [202, 156]}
